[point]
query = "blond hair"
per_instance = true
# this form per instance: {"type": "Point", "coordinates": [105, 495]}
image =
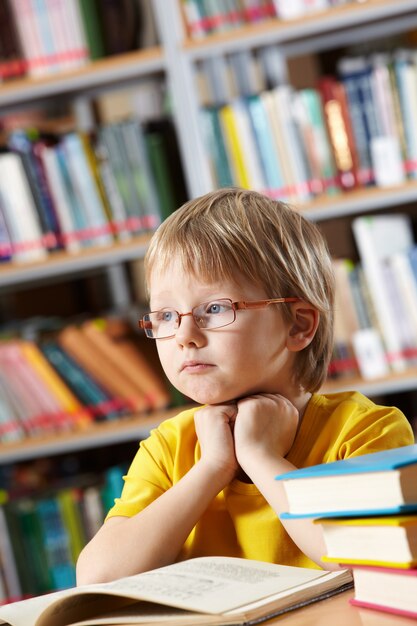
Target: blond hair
{"type": "Point", "coordinates": [231, 232]}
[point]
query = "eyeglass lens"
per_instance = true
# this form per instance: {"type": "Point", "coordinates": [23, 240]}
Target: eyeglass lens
{"type": "Point", "coordinates": [214, 314]}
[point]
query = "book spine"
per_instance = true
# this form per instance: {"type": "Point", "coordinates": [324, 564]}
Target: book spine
{"type": "Point", "coordinates": [340, 131]}
{"type": "Point", "coordinates": [68, 506]}
{"type": "Point", "coordinates": [56, 185]}
{"type": "Point", "coordinates": [268, 155]}
{"type": "Point", "coordinates": [49, 54]}
{"type": "Point", "coordinates": [56, 542]}
{"type": "Point", "coordinates": [91, 21]}
{"type": "Point", "coordinates": [405, 80]}
{"type": "Point", "coordinates": [88, 196]}
{"type": "Point", "coordinates": [20, 211]}
{"type": "Point", "coordinates": [215, 146]}
{"type": "Point", "coordinates": [11, 576]}
{"type": "Point", "coordinates": [78, 48]}
{"type": "Point", "coordinates": [97, 402]}
{"type": "Point", "coordinates": [134, 141]}
{"type": "Point", "coordinates": [11, 59]}
{"type": "Point", "coordinates": [20, 143]}
{"type": "Point", "coordinates": [71, 411]}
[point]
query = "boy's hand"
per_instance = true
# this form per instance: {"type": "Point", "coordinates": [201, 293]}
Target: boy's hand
{"type": "Point", "coordinates": [266, 425]}
{"type": "Point", "coordinates": [214, 426]}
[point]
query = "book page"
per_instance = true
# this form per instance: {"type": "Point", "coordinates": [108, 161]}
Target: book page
{"type": "Point", "coordinates": [212, 584]}
{"type": "Point", "coordinates": [208, 585]}
{"type": "Point", "coordinates": [26, 613]}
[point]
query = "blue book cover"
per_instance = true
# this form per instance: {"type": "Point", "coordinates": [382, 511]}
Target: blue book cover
{"type": "Point", "coordinates": [359, 486]}
{"type": "Point", "coordinates": [384, 460]}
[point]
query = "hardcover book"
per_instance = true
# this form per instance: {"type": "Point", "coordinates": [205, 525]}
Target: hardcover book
{"type": "Point", "coordinates": [371, 484]}
{"type": "Point", "coordinates": [386, 540]}
{"type": "Point", "coordinates": [384, 589]}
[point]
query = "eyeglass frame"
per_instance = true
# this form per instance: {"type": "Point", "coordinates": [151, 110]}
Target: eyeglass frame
{"type": "Point", "coordinates": [239, 305]}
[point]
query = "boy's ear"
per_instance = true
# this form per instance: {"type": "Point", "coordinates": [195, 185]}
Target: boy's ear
{"type": "Point", "coordinates": [305, 320]}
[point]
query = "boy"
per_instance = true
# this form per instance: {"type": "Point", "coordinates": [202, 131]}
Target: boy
{"type": "Point", "coordinates": [241, 299]}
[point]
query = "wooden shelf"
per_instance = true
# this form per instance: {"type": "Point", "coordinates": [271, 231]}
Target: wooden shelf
{"type": "Point", "coordinates": [61, 263]}
{"type": "Point", "coordinates": [281, 31]}
{"type": "Point", "coordinates": [107, 71]}
{"type": "Point", "coordinates": [96, 435]}
{"type": "Point", "coordinates": [359, 201]}
{"type": "Point", "coordinates": [394, 383]}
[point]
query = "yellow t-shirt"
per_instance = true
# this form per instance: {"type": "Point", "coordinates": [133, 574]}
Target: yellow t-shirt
{"type": "Point", "coordinates": [239, 522]}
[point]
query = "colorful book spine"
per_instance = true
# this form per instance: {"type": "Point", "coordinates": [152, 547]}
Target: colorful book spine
{"type": "Point", "coordinates": [340, 131]}
{"type": "Point", "coordinates": [96, 401]}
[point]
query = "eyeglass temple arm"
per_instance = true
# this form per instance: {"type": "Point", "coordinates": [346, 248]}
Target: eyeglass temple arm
{"type": "Point", "coordinates": [260, 304]}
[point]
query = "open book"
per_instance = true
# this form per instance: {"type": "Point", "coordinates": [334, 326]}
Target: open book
{"type": "Point", "coordinates": [206, 590]}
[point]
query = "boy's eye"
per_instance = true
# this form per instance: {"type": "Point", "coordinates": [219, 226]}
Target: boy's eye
{"type": "Point", "coordinates": [166, 316]}
{"type": "Point", "coordinates": [214, 308]}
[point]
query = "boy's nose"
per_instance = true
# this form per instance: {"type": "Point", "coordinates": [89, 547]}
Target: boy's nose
{"type": "Point", "coordinates": [188, 332]}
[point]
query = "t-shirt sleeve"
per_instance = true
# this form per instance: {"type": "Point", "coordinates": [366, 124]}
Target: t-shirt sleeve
{"type": "Point", "coordinates": [160, 460]}
{"type": "Point", "coordinates": [373, 429]}
{"type": "Point", "coordinates": [147, 478]}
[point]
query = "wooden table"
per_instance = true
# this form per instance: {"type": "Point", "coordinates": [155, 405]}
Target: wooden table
{"type": "Point", "coordinates": [337, 611]}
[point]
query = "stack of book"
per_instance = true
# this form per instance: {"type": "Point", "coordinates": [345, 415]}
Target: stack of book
{"type": "Point", "coordinates": [367, 508]}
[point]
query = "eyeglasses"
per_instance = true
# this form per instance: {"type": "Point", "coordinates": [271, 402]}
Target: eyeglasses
{"type": "Point", "coordinates": [207, 316]}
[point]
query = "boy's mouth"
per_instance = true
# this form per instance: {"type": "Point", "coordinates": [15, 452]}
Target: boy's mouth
{"type": "Point", "coordinates": [194, 366]}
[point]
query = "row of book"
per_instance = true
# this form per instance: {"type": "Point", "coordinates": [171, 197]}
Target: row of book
{"type": "Point", "coordinates": [350, 131]}
{"type": "Point", "coordinates": [75, 190]}
{"type": "Point", "coordinates": [41, 536]}
{"type": "Point", "coordinates": [205, 17]}
{"type": "Point", "coordinates": [94, 371]}
{"type": "Point", "coordinates": [376, 300]}
{"type": "Point", "coordinates": [367, 509]}
{"type": "Point", "coordinates": [43, 37]}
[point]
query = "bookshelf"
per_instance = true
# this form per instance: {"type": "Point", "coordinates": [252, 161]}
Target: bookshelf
{"type": "Point", "coordinates": [174, 62]}
{"type": "Point", "coordinates": [131, 428]}
{"type": "Point", "coordinates": [62, 264]}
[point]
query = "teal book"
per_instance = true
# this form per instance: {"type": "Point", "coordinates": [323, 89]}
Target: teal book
{"type": "Point", "coordinates": [265, 143]}
{"type": "Point", "coordinates": [56, 544]}
{"type": "Point", "coordinates": [94, 397]}
{"type": "Point", "coordinates": [34, 554]}
{"type": "Point", "coordinates": [379, 483]}
{"type": "Point", "coordinates": [214, 140]}
{"type": "Point", "coordinates": [113, 485]}
{"type": "Point", "coordinates": [112, 142]}
{"type": "Point", "coordinates": [133, 137]}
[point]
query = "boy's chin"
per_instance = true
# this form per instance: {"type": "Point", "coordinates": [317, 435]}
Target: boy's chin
{"type": "Point", "coordinates": [213, 398]}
